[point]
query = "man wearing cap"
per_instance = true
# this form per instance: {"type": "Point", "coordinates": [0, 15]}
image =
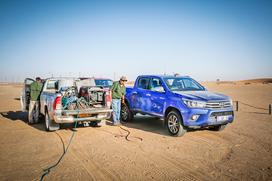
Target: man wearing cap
{"type": "Point", "coordinates": [34, 106]}
{"type": "Point", "coordinates": [118, 91]}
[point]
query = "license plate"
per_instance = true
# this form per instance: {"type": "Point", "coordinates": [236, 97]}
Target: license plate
{"type": "Point", "coordinates": [222, 118]}
{"type": "Point", "coordinates": [101, 115]}
{"type": "Point", "coordinates": [83, 115]}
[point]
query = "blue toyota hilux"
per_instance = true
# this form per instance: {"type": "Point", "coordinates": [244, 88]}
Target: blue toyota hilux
{"type": "Point", "coordinates": [180, 101]}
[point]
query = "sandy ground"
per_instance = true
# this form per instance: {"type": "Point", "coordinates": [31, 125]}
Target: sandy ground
{"type": "Point", "coordinates": [243, 151]}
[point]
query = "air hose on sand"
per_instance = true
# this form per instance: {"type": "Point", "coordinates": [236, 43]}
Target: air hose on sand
{"type": "Point", "coordinates": [47, 170]}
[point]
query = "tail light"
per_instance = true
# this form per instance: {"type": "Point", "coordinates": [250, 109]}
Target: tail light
{"type": "Point", "coordinates": [57, 103]}
{"type": "Point", "coordinates": [108, 99]}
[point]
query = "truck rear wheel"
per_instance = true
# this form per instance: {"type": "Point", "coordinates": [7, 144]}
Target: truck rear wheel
{"type": "Point", "coordinates": [49, 124]}
{"type": "Point", "coordinates": [174, 124]}
{"type": "Point", "coordinates": [126, 114]}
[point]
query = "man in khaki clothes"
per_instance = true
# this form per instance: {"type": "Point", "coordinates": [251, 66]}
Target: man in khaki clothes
{"type": "Point", "coordinates": [34, 106]}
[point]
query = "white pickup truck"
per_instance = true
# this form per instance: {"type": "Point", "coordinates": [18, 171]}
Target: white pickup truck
{"type": "Point", "coordinates": [51, 103]}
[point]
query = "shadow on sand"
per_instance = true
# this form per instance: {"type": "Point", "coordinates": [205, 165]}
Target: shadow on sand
{"type": "Point", "coordinates": [15, 115]}
{"type": "Point", "coordinates": [22, 116]}
{"type": "Point", "coordinates": [149, 124]}
{"type": "Point", "coordinates": [140, 122]}
{"type": "Point", "coordinates": [153, 124]}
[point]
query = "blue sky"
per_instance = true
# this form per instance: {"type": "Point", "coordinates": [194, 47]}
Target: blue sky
{"type": "Point", "coordinates": [229, 40]}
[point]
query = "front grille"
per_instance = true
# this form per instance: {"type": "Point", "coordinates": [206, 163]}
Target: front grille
{"type": "Point", "coordinates": [226, 113]}
{"type": "Point", "coordinates": [218, 105]}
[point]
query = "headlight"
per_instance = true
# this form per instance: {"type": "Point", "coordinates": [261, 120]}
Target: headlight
{"type": "Point", "coordinates": [195, 104]}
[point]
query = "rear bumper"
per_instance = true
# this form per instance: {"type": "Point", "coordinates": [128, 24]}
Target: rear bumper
{"type": "Point", "coordinates": [207, 117]}
{"type": "Point", "coordinates": [71, 119]}
{"type": "Point", "coordinates": [71, 116]}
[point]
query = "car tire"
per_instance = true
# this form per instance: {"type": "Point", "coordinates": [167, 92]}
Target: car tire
{"type": "Point", "coordinates": [219, 128]}
{"type": "Point", "coordinates": [49, 124]}
{"type": "Point", "coordinates": [174, 124]}
{"type": "Point", "coordinates": [41, 118]}
{"type": "Point", "coordinates": [126, 114]}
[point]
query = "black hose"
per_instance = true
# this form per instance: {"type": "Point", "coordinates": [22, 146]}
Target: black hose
{"type": "Point", "coordinates": [47, 170]}
{"type": "Point", "coordinates": [127, 135]}
{"type": "Point", "coordinates": [128, 132]}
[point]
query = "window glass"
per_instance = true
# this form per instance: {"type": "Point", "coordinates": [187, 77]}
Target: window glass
{"type": "Point", "coordinates": [190, 84]}
{"type": "Point", "coordinates": [103, 82]}
{"type": "Point", "coordinates": [51, 84]}
{"type": "Point", "coordinates": [183, 84]}
{"type": "Point", "coordinates": [156, 85]}
{"type": "Point", "coordinates": [28, 81]}
{"type": "Point", "coordinates": [143, 83]}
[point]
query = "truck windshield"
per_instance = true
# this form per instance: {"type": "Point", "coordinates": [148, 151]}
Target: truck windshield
{"type": "Point", "coordinates": [183, 84]}
{"type": "Point", "coordinates": [103, 82]}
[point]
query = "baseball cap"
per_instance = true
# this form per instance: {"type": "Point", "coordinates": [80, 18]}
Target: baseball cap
{"type": "Point", "coordinates": [123, 78]}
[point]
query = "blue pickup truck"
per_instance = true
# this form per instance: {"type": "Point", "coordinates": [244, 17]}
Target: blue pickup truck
{"type": "Point", "coordinates": [180, 101]}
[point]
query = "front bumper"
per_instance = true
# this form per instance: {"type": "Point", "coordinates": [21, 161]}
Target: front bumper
{"type": "Point", "coordinates": [207, 117]}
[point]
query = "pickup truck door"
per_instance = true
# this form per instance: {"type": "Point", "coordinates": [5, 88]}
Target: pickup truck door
{"type": "Point", "coordinates": [141, 95]}
{"type": "Point", "coordinates": [25, 94]}
{"type": "Point", "coordinates": [48, 91]}
{"type": "Point", "coordinates": [157, 97]}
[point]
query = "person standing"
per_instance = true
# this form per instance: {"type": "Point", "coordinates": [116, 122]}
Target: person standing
{"type": "Point", "coordinates": [34, 106]}
{"type": "Point", "coordinates": [118, 91]}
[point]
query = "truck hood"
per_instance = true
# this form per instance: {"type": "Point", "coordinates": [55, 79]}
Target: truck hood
{"type": "Point", "coordinates": [202, 95]}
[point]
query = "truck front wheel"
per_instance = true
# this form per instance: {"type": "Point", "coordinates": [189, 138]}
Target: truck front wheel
{"type": "Point", "coordinates": [126, 114]}
{"type": "Point", "coordinates": [49, 124]}
{"type": "Point", "coordinates": [174, 125]}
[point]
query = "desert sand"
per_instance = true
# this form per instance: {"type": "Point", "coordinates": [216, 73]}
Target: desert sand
{"type": "Point", "coordinates": [243, 151]}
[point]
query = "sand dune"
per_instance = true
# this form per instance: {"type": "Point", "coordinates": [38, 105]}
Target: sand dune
{"type": "Point", "coordinates": [249, 81]}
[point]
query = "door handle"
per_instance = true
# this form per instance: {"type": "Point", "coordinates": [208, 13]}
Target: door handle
{"type": "Point", "coordinates": [134, 93]}
{"type": "Point", "coordinates": [148, 95]}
